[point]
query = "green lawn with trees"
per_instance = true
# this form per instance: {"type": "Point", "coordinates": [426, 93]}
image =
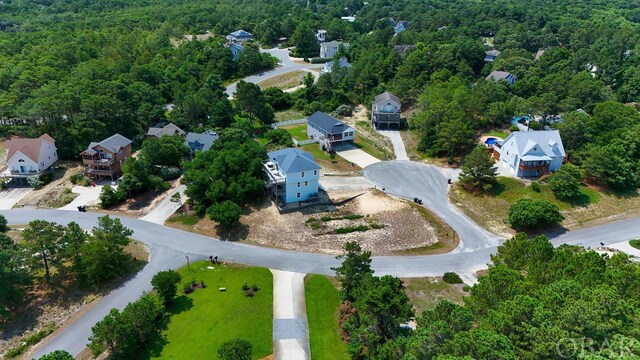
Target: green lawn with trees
{"type": "Point", "coordinates": [203, 320]}
{"type": "Point", "coordinates": [323, 301]}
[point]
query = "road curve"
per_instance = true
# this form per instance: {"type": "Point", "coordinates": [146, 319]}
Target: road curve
{"type": "Point", "coordinates": [286, 66]}
{"type": "Point", "coordinates": [169, 248]}
{"type": "Point", "coordinates": [408, 179]}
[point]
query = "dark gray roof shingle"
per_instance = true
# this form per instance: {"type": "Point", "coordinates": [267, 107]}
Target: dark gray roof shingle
{"type": "Point", "coordinates": [327, 123]}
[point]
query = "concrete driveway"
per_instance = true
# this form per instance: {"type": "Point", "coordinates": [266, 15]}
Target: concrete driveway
{"type": "Point", "coordinates": [166, 207]}
{"type": "Point", "coordinates": [357, 156]}
{"type": "Point", "coordinates": [87, 196]}
{"type": "Point", "coordinates": [290, 327]}
{"type": "Point", "coordinates": [286, 65]}
{"type": "Point", "coordinates": [11, 196]}
{"type": "Point", "coordinates": [344, 183]}
{"type": "Point", "coordinates": [409, 179]}
{"type": "Point", "coordinates": [398, 145]}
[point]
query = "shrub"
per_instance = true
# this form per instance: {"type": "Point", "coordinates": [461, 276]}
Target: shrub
{"type": "Point", "coordinates": [535, 186]}
{"type": "Point", "coordinates": [110, 197]}
{"type": "Point", "coordinates": [320, 60]}
{"type": "Point", "coordinates": [514, 128]}
{"type": "Point", "coordinates": [343, 110]}
{"type": "Point", "coordinates": [377, 226]}
{"type": "Point", "coordinates": [157, 183]}
{"type": "Point", "coordinates": [80, 179]}
{"type": "Point", "coordinates": [236, 349]}
{"type": "Point", "coordinates": [227, 213]}
{"type": "Point", "coordinates": [255, 287]}
{"type": "Point", "coordinates": [245, 287]}
{"type": "Point", "coordinates": [187, 289]}
{"type": "Point", "coordinates": [565, 183]}
{"type": "Point", "coordinates": [35, 182]}
{"type": "Point", "coordinates": [452, 278]}
{"type": "Point", "coordinates": [169, 173]}
{"type": "Point", "coordinates": [165, 283]}
{"type": "Point", "coordinates": [350, 229]}
{"type": "Point", "coordinates": [3, 224]}
{"type": "Point", "coordinates": [466, 288]}
{"type": "Point", "coordinates": [46, 178]}
{"type": "Point", "coordinates": [529, 214]}
{"type": "Point", "coordinates": [280, 137]}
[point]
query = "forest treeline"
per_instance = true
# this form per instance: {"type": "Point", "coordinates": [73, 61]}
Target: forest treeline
{"type": "Point", "coordinates": [83, 70]}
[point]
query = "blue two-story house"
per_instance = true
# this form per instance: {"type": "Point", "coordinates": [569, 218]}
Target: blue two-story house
{"type": "Point", "coordinates": [291, 175]}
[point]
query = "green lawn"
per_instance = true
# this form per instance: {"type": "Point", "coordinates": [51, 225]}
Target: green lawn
{"type": "Point", "coordinates": [501, 134]}
{"type": "Point", "coordinates": [322, 301]}
{"type": "Point", "coordinates": [511, 189]}
{"type": "Point", "coordinates": [635, 243]}
{"type": "Point", "coordinates": [370, 148]}
{"type": "Point", "coordinates": [298, 131]}
{"type": "Point", "coordinates": [206, 318]}
{"type": "Point", "coordinates": [426, 293]}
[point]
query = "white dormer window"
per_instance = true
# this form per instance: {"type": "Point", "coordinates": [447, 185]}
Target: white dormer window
{"type": "Point", "coordinates": [21, 160]}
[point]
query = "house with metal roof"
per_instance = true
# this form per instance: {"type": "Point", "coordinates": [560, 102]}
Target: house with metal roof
{"type": "Point", "coordinates": [502, 75]}
{"type": "Point", "coordinates": [240, 36]}
{"type": "Point", "coordinates": [201, 142]}
{"type": "Point", "coordinates": [386, 111]}
{"type": "Point", "coordinates": [291, 175]}
{"type": "Point", "coordinates": [530, 153]}
{"type": "Point", "coordinates": [329, 131]}
{"type": "Point", "coordinates": [29, 157]}
{"type": "Point", "coordinates": [104, 159]}
{"type": "Point", "coordinates": [161, 130]}
{"type": "Point", "coordinates": [491, 55]}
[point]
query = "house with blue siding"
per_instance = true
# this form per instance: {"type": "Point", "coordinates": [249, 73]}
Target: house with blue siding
{"type": "Point", "coordinates": [291, 175]}
{"type": "Point", "coordinates": [329, 131]}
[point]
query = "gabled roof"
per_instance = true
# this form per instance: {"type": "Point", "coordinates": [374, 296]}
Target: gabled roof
{"type": "Point", "coordinates": [385, 97]}
{"type": "Point", "coordinates": [537, 144]}
{"type": "Point", "coordinates": [169, 129]}
{"type": "Point", "coordinates": [500, 75]}
{"type": "Point", "coordinates": [327, 123]}
{"type": "Point", "coordinates": [334, 43]}
{"type": "Point", "coordinates": [113, 143]}
{"type": "Point", "coordinates": [29, 147]}
{"type": "Point", "coordinates": [207, 139]}
{"type": "Point", "coordinates": [292, 160]}
{"type": "Point", "coordinates": [241, 33]}
{"type": "Point", "coordinates": [342, 62]}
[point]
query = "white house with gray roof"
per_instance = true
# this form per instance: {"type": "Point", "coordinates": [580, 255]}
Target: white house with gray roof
{"type": "Point", "coordinates": [291, 175]}
{"type": "Point", "coordinates": [530, 153]}
{"type": "Point", "coordinates": [329, 131]}
{"type": "Point", "coordinates": [201, 142]}
{"type": "Point", "coordinates": [329, 49]}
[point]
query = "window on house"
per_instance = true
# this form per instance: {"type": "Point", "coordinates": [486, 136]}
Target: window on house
{"type": "Point", "coordinates": [298, 195]}
{"type": "Point", "coordinates": [21, 160]}
{"type": "Point", "coordinates": [315, 172]}
{"type": "Point", "coordinates": [302, 174]}
{"type": "Point", "coordinates": [297, 184]}
{"type": "Point", "coordinates": [306, 183]}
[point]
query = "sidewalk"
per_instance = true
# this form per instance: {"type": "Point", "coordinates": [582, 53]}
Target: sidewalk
{"type": "Point", "coordinates": [290, 327]}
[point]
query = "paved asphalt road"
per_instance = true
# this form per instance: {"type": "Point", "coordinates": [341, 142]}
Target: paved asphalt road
{"type": "Point", "coordinates": [286, 65]}
{"type": "Point", "coordinates": [409, 179]}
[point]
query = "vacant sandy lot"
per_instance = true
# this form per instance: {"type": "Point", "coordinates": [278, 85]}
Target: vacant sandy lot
{"type": "Point", "coordinates": [394, 226]}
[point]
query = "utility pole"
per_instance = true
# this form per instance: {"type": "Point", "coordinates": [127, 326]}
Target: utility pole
{"type": "Point", "coordinates": [188, 266]}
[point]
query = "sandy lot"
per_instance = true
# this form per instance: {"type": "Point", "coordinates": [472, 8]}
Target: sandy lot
{"type": "Point", "coordinates": [56, 193]}
{"type": "Point", "coordinates": [395, 226]}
